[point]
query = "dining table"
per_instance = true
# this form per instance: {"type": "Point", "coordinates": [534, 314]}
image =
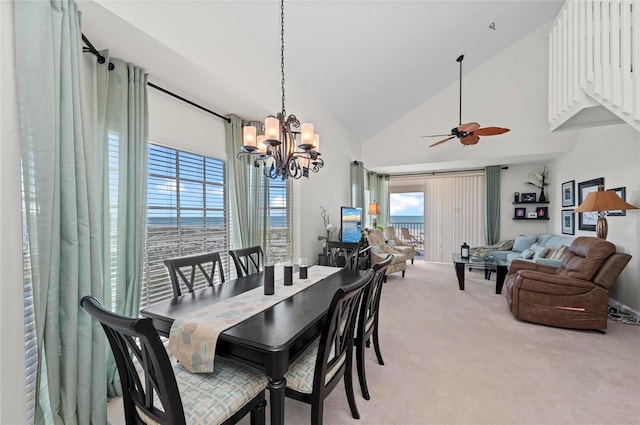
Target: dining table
{"type": "Point", "coordinates": [269, 340]}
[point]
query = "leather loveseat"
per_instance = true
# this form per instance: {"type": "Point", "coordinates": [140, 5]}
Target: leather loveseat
{"type": "Point", "coordinates": [574, 295]}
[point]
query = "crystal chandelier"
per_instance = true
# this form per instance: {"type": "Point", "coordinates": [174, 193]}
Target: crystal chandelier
{"type": "Point", "coordinates": [276, 150]}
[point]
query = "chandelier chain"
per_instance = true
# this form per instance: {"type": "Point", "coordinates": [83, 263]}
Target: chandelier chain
{"type": "Point", "coordinates": [284, 114]}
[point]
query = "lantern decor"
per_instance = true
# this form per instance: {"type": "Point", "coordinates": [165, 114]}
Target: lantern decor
{"type": "Point", "coordinates": [464, 251]}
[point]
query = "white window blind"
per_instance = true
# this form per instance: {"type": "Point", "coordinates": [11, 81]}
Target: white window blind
{"type": "Point", "coordinates": [186, 214]}
{"type": "Point", "coordinates": [279, 223]}
{"type": "Point", "coordinates": [30, 341]}
{"type": "Point", "coordinates": [454, 213]}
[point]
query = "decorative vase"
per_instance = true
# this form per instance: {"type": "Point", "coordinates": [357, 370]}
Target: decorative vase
{"type": "Point", "coordinates": [542, 198]}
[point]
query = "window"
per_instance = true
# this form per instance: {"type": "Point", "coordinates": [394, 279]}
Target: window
{"type": "Point", "coordinates": [278, 232]}
{"type": "Point", "coordinates": [186, 214]}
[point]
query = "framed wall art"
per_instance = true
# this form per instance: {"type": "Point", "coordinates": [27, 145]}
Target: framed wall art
{"type": "Point", "coordinates": [543, 212]}
{"type": "Point", "coordinates": [569, 194]}
{"type": "Point", "coordinates": [528, 197]}
{"type": "Point", "coordinates": [568, 222]}
{"type": "Point", "coordinates": [520, 213]}
{"type": "Point", "coordinates": [621, 192]}
{"type": "Point", "coordinates": [588, 220]}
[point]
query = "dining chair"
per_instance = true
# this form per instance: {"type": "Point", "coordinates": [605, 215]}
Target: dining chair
{"type": "Point", "coordinates": [207, 264]}
{"type": "Point", "coordinates": [317, 371]}
{"type": "Point", "coordinates": [343, 254]}
{"type": "Point", "coordinates": [247, 260]}
{"type": "Point", "coordinates": [170, 395]}
{"type": "Point", "coordinates": [367, 325]}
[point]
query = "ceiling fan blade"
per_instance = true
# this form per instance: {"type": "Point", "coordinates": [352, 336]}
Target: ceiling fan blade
{"type": "Point", "coordinates": [441, 141]}
{"type": "Point", "coordinates": [490, 131]}
{"type": "Point", "coordinates": [468, 127]}
{"type": "Point", "coordinates": [438, 135]}
{"type": "Point", "coordinates": [471, 139]}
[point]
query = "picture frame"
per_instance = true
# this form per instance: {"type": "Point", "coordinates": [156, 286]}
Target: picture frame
{"type": "Point", "coordinates": [532, 215]}
{"type": "Point", "coordinates": [543, 212]}
{"type": "Point", "coordinates": [528, 197]}
{"type": "Point", "coordinates": [588, 220]}
{"type": "Point", "coordinates": [568, 193]}
{"type": "Point", "coordinates": [520, 213]}
{"type": "Point", "coordinates": [568, 222]}
{"type": "Point", "coordinates": [622, 193]}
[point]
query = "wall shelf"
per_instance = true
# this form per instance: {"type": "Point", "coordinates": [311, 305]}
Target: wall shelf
{"type": "Point", "coordinates": [532, 219]}
{"type": "Point", "coordinates": [529, 203]}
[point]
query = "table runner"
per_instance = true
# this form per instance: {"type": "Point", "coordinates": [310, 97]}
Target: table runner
{"type": "Point", "coordinates": [193, 337]}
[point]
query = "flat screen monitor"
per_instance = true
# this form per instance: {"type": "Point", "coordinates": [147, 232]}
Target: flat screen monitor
{"type": "Point", "coordinates": [351, 224]}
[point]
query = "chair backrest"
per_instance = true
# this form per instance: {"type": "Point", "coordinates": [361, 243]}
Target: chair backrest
{"type": "Point", "coordinates": [248, 260]}
{"type": "Point", "coordinates": [205, 263]}
{"type": "Point", "coordinates": [390, 235]}
{"type": "Point", "coordinates": [375, 237]}
{"type": "Point", "coordinates": [131, 338]}
{"type": "Point", "coordinates": [371, 300]}
{"type": "Point", "coordinates": [336, 339]}
{"type": "Point", "coordinates": [343, 254]}
{"type": "Point", "coordinates": [585, 257]}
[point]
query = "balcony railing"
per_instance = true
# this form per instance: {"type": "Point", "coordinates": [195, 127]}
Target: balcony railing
{"type": "Point", "coordinates": [415, 229]}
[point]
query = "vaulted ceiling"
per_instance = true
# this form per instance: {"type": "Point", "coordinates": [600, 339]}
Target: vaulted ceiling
{"type": "Point", "coordinates": [367, 62]}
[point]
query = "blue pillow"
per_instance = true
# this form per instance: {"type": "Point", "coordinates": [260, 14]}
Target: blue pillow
{"type": "Point", "coordinates": [523, 242]}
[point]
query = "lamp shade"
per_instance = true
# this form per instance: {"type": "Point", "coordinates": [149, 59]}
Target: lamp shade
{"type": "Point", "coordinates": [374, 208]}
{"type": "Point", "coordinates": [603, 200]}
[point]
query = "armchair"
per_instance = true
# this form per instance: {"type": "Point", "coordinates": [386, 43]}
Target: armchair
{"type": "Point", "coordinates": [574, 295]}
{"type": "Point", "coordinates": [379, 251]}
{"type": "Point", "coordinates": [398, 244]}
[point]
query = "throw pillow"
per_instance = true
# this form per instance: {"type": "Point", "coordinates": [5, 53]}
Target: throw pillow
{"type": "Point", "coordinates": [551, 252]}
{"type": "Point", "coordinates": [528, 254]}
{"type": "Point", "coordinates": [523, 242]}
{"type": "Point", "coordinates": [541, 252]}
{"type": "Point", "coordinates": [535, 246]}
{"type": "Point", "coordinates": [560, 252]}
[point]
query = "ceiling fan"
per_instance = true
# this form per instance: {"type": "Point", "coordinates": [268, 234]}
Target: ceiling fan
{"type": "Point", "coordinates": [468, 133]}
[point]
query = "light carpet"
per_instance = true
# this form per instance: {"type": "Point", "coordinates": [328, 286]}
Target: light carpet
{"type": "Point", "coordinates": [459, 357]}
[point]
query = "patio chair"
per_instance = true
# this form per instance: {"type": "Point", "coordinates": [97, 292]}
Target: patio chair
{"type": "Point", "coordinates": [412, 240]}
{"type": "Point", "coordinates": [399, 244]}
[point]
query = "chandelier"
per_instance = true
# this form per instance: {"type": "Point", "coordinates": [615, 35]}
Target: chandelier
{"type": "Point", "coordinates": [276, 150]}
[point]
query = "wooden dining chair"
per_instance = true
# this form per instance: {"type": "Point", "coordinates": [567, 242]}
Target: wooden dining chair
{"type": "Point", "coordinates": [343, 254]}
{"type": "Point", "coordinates": [168, 394]}
{"type": "Point", "coordinates": [367, 325]}
{"type": "Point", "coordinates": [317, 371]}
{"type": "Point", "coordinates": [247, 260]}
{"type": "Point", "coordinates": [206, 264]}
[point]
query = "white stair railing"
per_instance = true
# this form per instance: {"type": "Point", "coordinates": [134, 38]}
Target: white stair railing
{"type": "Point", "coordinates": [594, 58]}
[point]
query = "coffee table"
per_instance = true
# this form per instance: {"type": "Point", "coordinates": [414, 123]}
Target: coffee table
{"type": "Point", "coordinates": [488, 264]}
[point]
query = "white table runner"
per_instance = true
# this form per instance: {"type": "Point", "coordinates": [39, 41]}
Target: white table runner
{"type": "Point", "coordinates": [193, 338]}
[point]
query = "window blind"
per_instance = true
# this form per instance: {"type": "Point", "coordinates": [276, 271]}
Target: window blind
{"type": "Point", "coordinates": [279, 222]}
{"type": "Point", "coordinates": [30, 341]}
{"type": "Point", "coordinates": [186, 215]}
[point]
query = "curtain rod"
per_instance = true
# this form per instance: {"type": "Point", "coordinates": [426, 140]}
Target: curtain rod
{"type": "Point", "coordinates": [101, 60]}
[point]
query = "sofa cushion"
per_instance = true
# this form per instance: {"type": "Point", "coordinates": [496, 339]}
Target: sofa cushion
{"type": "Point", "coordinates": [523, 242]}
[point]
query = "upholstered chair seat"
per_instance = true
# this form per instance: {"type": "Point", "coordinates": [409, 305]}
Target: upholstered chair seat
{"type": "Point", "coordinates": [380, 249]}
{"type": "Point", "coordinates": [398, 244]}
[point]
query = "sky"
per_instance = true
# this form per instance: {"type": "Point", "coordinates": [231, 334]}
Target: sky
{"type": "Point", "coordinates": [409, 203]}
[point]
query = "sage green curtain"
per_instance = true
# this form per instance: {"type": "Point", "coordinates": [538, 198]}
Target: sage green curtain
{"type": "Point", "coordinates": [122, 110]}
{"type": "Point", "coordinates": [247, 188]}
{"type": "Point", "coordinates": [492, 204]}
{"type": "Point", "coordinates": [60, 189]}
{"type": "Point", "coordinates": [379, 192]}
{"type": "Point", "coordinates": [357, 187]}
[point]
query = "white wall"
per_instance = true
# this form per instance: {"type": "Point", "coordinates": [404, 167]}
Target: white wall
{"type": "Point", "coordinates": [612, 152]}
{"type": "Point", "coordinates": [510, 90]}
{"type": "Point", "coordinates": [12, 365]}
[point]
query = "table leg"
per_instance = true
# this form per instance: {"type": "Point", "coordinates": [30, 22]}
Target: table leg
{"type": "Point", "coordinates": [276, 391]}
{"type": "Point", "coordinates": [501, 274]}
{"type": "Point", "coordinates": [460, 274]}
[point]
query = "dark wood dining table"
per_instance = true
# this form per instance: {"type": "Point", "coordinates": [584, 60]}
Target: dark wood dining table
{"type": "Point", "coordinates": [269, 340]}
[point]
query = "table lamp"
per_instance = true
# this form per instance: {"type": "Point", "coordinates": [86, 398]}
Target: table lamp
{"type": "Point", "coordinates": [374, 210]}
{"type": "Point", "coordinates": [603, 201]}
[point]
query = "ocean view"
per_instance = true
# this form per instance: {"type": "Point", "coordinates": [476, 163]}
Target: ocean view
{"type": "Point", "coordinates": [398, 219]}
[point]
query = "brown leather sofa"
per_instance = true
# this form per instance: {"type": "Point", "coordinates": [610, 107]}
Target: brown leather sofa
{"type": "Point", "coordinates": [574, 295]}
